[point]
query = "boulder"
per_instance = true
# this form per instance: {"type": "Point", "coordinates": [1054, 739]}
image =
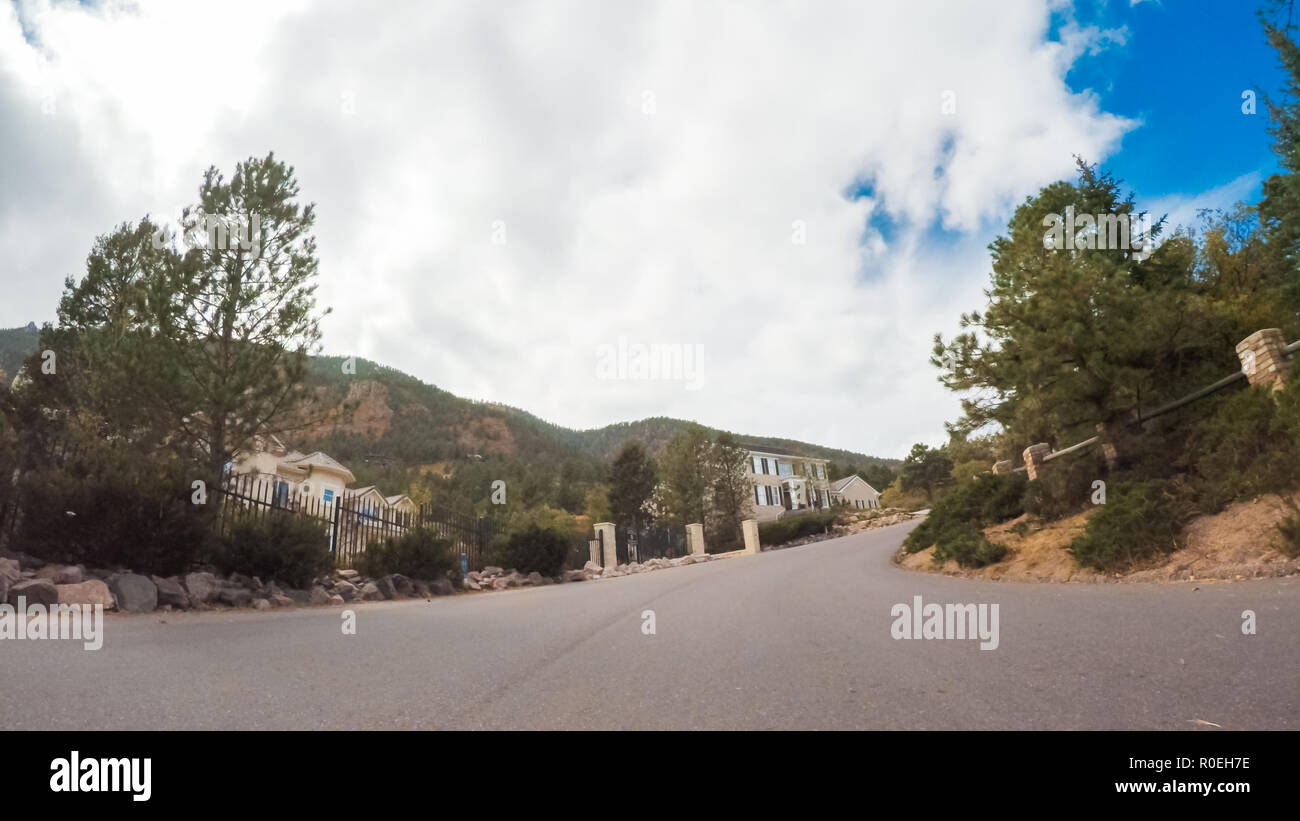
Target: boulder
{"type": "Point", "coordinates": [298, 596]}
{"type": "Point", "coordinates": [473, 576]}
{"type": "Point", "coordinates": [491, 570]}
{"type": "Point", "coordinates": [88, 592]}
{"type": "Point", "coordinates": [536, 578]}
{"type": "Point", "coordinates": [592, 567]}
{"type": "Point", "coordinates": [370, 592]}
{"type": "Point", "coordinates": [33, 591]}
{"type": "Point", "coordinates": [473, 585]}
{"type": "Point", "coordinates": [574, 576]}
{"type": "Point", "coordinates": [441, 587]}
{"type": "Point", "coordinates": [500, 583]}
{"type": "Point", "coordinates": [348, 574]}
{"type": "Point", "coordinates": [403, 585]}
{"type": "Point", "coordinates": [235, 596]}
{"type": "Point", "coordinates": [203, 588]}
{"type": "Point", "coordinates": [262, 604]}
{"type": "Point", "coordinates": [336, 601]}
{"type": "Point", "coordinates": [10, 570]}
{"type": "Point", "coordinates": [134, 593]}
{"type": "Point", "coordinates": [347, 591]}
{"type": "Point", "coordinates": [282, 600]}
{"type": "Point", "coordinates": [171, 592]}
{"type": "Point", "coordinates": [386, 587]}
{"type": "Point", "coordinates": [62, 573]}
{"type": "Point", "coordinates": [319, 595]}
{"type": "Point", "coordinates": [422, 589]}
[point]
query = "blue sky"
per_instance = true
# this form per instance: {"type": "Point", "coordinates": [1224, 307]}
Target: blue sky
{"type": "Point", "coordinates": [1181, 72]}
{"type": "Point", "coordinates": [668, 223]}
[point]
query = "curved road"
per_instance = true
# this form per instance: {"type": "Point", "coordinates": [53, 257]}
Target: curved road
{"type": "Point", "coordinates": [796, 638]}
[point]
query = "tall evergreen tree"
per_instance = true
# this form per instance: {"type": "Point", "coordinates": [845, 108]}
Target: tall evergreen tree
{"type": "Point", "coordinates": [631, 483]}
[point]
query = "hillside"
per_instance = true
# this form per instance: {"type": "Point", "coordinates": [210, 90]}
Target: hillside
{"type": "Point", "coordinates": [16, 344]}
{"type": "Point", "coordinates": [386, 419]}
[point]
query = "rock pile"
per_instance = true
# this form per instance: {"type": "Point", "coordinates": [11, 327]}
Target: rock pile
{"type": "Point", "coordinates": [38, 582]}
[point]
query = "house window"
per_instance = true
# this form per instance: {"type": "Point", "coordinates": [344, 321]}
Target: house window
{"type": "Point", "coordinates": [758, 465]}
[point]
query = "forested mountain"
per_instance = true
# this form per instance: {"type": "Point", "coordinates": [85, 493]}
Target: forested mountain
{"type": "Point", "coordinates": [16, 344]}
{"type": "Point", "coordinates": [391, 428]}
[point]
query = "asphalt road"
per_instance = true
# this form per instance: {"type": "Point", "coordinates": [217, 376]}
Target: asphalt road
{"type": "Point", "coordinates": [791, 639]}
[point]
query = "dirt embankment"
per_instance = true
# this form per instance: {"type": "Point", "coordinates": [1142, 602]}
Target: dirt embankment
{"type": "Point", "coordinates": [1239, 543]}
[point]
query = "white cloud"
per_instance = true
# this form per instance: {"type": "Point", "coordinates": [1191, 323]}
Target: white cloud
{"type": "Point", "coordinates": [1181, 210]}
{"type": "Point", "coordinates": [670, 226]}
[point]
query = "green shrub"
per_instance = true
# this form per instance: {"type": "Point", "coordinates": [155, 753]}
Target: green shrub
{"type": "Point", "coordinates": [968, 547]}
{"type": "Point", "coordinates": [1138, 521]}
{"type": "Point", "coordinates": [780, 531]}
{"type": "Point", "coordinates": [531, 549]}
{"type": "Point", "coordinates": [418, 553]}
{"type": "Point", "coordinates": [290, 549]}
{"type": "Point", "coordinates": [961, 513]}
{"type": "Point", "coordinates": [109, 512]}
{"type": "Point", "coordinates": [1064, 485]}
{"type": "Point", "coordinates": [1246, 446]}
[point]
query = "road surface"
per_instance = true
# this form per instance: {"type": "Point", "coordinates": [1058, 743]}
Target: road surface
{"type": "Point", "coordinates": [796, 638]}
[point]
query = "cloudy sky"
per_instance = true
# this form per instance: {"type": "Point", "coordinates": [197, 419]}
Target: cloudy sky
{"type": "Point", "coordinates": [804, 190]}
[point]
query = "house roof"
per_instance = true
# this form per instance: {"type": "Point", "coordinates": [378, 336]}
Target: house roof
{"type": "Point", "coordinates": [764, 452]}
{"type": "Point", "coordinates": [839, 485]}
{"type": "Point", "coordinates": [318, 459]}
{"type": "Point", "coordinates": [392, 500]}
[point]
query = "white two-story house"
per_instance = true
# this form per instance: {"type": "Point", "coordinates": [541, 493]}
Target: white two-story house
{"type": "Point", "coordinates": [783, 481]}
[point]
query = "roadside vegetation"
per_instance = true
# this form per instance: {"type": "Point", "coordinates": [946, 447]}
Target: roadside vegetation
{"type": "Point", "coordinates": [1073, 339]}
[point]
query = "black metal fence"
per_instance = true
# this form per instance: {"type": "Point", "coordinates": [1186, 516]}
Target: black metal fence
{"type": "Point", "coordinates": [352, 522]}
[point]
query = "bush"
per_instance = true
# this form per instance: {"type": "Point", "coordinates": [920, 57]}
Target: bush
{"type": "Point", "coordinates": [290, 549]}
{"type": "Point", "coordinates": [1246, 447]}
{"type": "Point", "coordinates": [531, 549]}
{"type": "Point", "coordinates": [418, 553]}
{"type": "Point", "coordinates": [956, 519]}
{"type": "Point", "coordinates": [1064, 485]}
{"type": "Point", "coordinates": [780, 531]}
{"type": "Point", "coordinates": [1138, 521]}
{"type": "Point", "coordinates": [104, 511]}
{"type": "Point", "coordinates": [968, 547]}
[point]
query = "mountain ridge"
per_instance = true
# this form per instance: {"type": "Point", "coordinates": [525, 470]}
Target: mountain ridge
{"type": "Point", "coordinates": [398, 419]}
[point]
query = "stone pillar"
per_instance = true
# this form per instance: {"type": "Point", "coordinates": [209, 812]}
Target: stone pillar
{"type": "Point", "coordinates": [1108, 449]}
{"type": "Point", "coordinates": [1034, 455]}
{"type": "Point", "coordinates": [1003, 466]}
{"type": "Point", "coordinates": [605, 532]}
{"type": "Point", "coordinates": [594, 546]}
{"type": "Point", "coordinates": [749, 528]}
{"type": "Point", "coordinates": [1263, 358]}
{"type": "Point", "coordinates": [695, 539]}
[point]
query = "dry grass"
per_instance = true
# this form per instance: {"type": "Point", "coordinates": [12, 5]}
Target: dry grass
{"type": "Point", "coordinates": [1241, 542]}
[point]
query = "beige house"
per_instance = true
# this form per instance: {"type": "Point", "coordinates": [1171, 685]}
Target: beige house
{"type": "Point", "coordinates": [312, 482]}
{"type": "Point", "coordinates": [784, 482]}
{"type": "Point", "coordinates": [853, 491]}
